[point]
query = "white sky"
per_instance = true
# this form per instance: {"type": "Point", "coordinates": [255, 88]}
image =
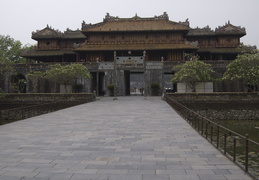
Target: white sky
{"type": "Point", "coordinates": [18, 18]}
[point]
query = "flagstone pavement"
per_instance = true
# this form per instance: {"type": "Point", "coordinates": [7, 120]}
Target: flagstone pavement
{"type": "Point", "coordinates": [131, 138]}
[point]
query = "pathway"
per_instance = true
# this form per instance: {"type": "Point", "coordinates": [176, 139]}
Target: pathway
{"type": "Point", "coordinates": [127, 139]}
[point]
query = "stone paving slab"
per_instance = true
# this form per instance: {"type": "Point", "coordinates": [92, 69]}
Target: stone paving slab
{"type": "Point", "coordinates": [127, 139]}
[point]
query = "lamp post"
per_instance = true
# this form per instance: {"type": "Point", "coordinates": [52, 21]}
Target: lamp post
{"type": "Point", "coordinates": [97, 78]}
{"type": "Point", "coordinates": [145, 75]}
{"type": "Point", "coordinates": [163, 79]}
{"type": "Point", "coordinates": [115, 78]}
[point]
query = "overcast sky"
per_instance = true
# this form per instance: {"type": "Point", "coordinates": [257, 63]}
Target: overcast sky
{"type": "Point", "coordinates": [19, 18]}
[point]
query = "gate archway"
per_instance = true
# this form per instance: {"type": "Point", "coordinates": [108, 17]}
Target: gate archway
{"type": "Point", "coordinates": [18, 83]}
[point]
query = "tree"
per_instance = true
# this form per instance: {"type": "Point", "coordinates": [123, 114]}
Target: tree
{"type": "Point", "coordinates": [192, 72]}
{"type": "Point", "coordinates": [35, 77]}
{"type": "Point", "coordinates": [10, 49]}
{"type": "Point", "coordinates": [6, 68]}
{"type": "Point", "coordinates": [246, 69]}
{"type": "Point", "coordinates": [67, 74]}
{"type": "Point", "coordinates": [7, 56]}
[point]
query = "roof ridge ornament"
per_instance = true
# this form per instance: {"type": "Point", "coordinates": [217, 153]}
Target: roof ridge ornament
{"type": "Point", "coordinates": [108, 17]}
{"type": "Point", "coordinates": [85, 25]}
{"type": "Point", "coordinates": [136, 17]}
{"type": "Point", "coordinates": [185, 23]}
{"type": "Point", "coordinates": [163, 16]}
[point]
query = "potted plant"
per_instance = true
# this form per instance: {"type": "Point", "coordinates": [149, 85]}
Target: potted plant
{"type": "Point", "coordinates": [78, 88]}
{"type": "Point", "coordinates": [155, 88]}
{"type": "Point", "coordinates": [110, 88]}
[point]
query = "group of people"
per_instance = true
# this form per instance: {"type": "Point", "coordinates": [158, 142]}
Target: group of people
{"type": "Point", "coordinates": [138, 90]}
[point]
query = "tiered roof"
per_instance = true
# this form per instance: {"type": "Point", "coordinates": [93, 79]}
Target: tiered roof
{"type": "Point", "coordinates": [136, 23]}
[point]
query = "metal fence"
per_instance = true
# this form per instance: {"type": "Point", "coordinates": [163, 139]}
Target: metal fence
{"type": "Point", "coordinates": [15, 114]}
{"type": "Point", "coordinates": [240, 149]}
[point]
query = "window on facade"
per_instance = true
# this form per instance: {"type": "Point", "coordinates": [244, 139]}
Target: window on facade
{"type": "Point", "coordinates": [229, 40]}
{"type": "Point", "coordinates": [47, 43]}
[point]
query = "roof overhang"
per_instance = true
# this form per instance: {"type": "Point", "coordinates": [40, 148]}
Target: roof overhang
{"type": "Point", "coordinates": [115, 47]}
{"type": "Point", "coordinates": [221, 50]}
{"type": "Point", "coordinates": [35, 53]}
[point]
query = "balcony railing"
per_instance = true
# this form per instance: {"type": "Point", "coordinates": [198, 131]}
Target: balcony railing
{"type": "Point", "coordinates": [93, 65]}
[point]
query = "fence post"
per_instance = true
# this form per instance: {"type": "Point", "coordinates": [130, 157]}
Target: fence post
{"type": "Point", "coordinates": [211, 134]}
{"type": "Point", "coordinates": [225, 143]}
{"type": "Point", "coordinates": [202, 127]}
{"type": "Point", "coordinates": [206, 132]}
{"type": "Point", "coordinates": [198, 119]}
{"type": "Point", "coordinates": [217, 135]}
{"type": "Point", "coordinates": [234, 150]}
{"type": "Point", "coordinates": [246, 153]}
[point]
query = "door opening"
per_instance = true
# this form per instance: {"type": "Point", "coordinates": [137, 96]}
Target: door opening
{"type": "Point", "coordinates": [97, 82]}
{"type": "Point", "coordinates": [134, 83]}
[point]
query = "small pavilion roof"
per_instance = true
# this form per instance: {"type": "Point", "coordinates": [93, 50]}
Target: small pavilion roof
{"type": "Point", "coordinates": [229, 29]}
{"type": "Point", "coordinates": [47, 33]}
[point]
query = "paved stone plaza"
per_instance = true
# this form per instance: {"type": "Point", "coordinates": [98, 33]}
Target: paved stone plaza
{"type": "Point", "coordinates": [127, 139]}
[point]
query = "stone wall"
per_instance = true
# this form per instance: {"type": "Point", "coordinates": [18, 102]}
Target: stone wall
{"type": "Point", "coordinates": [225, 110]}
{"type": "Point", "coordinates": [221, 106]}
{"type": "Point", "coordinates": [20, 106]}
{"type": "Point", "coordinates": [224, 96]}
{"type": "Point", "coordinates": [48, 97]}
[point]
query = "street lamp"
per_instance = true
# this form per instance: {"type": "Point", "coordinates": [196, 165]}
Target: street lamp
{"type": "Point", "coordinates": [115, 78]}
{"type": "Point", "coordinates": [97, 78]}
{"type": "Point", "coordinates": [163, 79]}
{"type": "Point", "coordinates": [145, 75]}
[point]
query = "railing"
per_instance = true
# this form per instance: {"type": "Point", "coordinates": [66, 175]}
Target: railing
{"type": "Point", "coordinates": [42, 66]}
{"type": "Point", "coordinates": [15, 114]}
{"type": "Point", "coordinates": [240, 149]}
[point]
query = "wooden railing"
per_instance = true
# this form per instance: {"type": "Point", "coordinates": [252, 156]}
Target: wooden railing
{"type": "Point", "coordinates": [240, 149]}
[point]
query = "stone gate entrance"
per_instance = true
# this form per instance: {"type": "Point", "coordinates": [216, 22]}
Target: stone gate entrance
{"type": "Point", "coordinates": [134, 83]}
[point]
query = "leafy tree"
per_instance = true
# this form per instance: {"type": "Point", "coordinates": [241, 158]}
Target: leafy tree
{"type": "Point", "coordinates": [10, 49]}
{"type": "Point", "coordinates": [35, 77]}
{"type": "Point", "coordinates": [246, 69]}
{"type": "Point", "coordinates": [68, 74]}
{"type": "Point", "coordinates": [6, 68]}
{"type": "Point", "coordinates": [62, 74]}
{"type": "Point", "coordinates": [192, 72]}
{"type": "Point", "coordinates": [7, 57]}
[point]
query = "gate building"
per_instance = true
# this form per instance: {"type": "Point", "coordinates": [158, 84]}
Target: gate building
{"type": "Point", "coordinates": [135, 52]}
